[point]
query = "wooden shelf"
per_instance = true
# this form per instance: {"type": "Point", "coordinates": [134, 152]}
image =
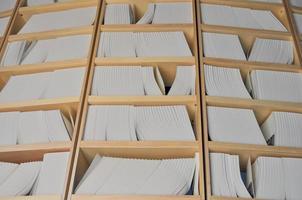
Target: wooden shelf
{"type": "Point", "coordinates": [133, 197]}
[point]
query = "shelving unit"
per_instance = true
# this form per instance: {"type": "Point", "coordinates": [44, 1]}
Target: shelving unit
{"type": "Point", "coordinates": [261, 108]}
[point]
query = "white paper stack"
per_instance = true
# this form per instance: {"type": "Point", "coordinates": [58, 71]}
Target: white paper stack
{"type": "Point", "coordinates": [138, 123]}
{"type": "Point", "coordinates": [184, 82]}
{"type": "Point", "coordinates": [219, 45]}
{"type": "Point", "coordinates": [52, 176]}
{"type": "Point", "coordinates": [3, 24]}
{"type": "Point", "coordinates": [43, 2]}
{"type": "Point", "coordinates": [269, 179]}
{"type": "Point", "coordinates": [6, 5]}
{"type": "Point", "coordinates": [143, 44]}
{"type": "Point", "coordinates": [58, 49]}
{"type": "Point", "coordinates": [124, 81]}
{"type": "Point", "coordinates": [119, 14]}
{"type": "Point", "coordinates": [117, 44]}
{"type": "Point", "coordinates": [225, 176]}
{"type": "Point", "coordinates": [293, 176]}
{"type": "Point", "coordinates": [60, 20]}
{"type": "Point", "coordinates": [20, 180]}
{"type": "Point", "coordinates": [240, 17]}
{"type": "Point", "coordinates": [234, 125]}
{"type": "Point", "coordinates": [226, 82]}
{"type": "Point", "coordinates": [57, 84]}
{"type": "Point", "coordinates": [298, 21]}
{"type": "Point", "coordinates": [276, 86]}
{"type": "Point", "coordinates": [152, 44]}
{"type": "Point", "coordinates": [163, 123]}
{"type": "Point", "coordinates": [168, 13]}
{"type": "Point", "coordinates": [283, 129]}
{"type": "Point", "coordinates": [112, 176]}
{"type": "Point", "coordinates": [297, 3]}
{"type": "Point", "coordinates": [8, 128]}
{"type": "Point", "coordinates": [272, 51]}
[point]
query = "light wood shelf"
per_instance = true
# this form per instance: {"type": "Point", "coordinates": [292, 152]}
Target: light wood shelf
{"type": "Point", "coordinates": [133, 197]}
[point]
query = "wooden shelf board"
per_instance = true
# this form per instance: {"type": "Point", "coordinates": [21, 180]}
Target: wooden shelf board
{"type": "Point", "coordinates": [133, 197]}
{"type": "Point", "coordinates": [238, 31]}
{"type": "Point", "coordinates": [51, 34]}
{"type": "Point", "coordinates": [6, 13]}
{"type": "Point", "coordinates": [39, 104]}
{"type": "Point", "coordinates": [144, 60]}
{"type": "Point", "coordinates": [139, 1]}
{"type": "Point", "coordinates": [38, 197]}
{"type": "Point", "coordinates": [229, 198]}
{"type": "Point", "coordinates": [56, 7]}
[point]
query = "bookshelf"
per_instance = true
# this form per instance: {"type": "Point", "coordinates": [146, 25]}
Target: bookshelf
{"type": "Point", "coordinates": [262, 108]}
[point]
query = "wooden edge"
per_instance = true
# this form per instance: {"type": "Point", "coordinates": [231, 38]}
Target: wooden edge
{"type": "Point", "coordinates": [133, 197]}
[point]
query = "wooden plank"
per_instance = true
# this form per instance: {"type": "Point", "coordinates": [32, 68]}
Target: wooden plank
{"type": "Point", "coordinates": [133, 197]}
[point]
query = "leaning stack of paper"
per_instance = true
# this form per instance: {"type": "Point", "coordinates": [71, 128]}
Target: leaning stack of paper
{"type": "Point", "coordinates": [58, 49]}
{"type": "Point", "coordinates": [234, 125]}
{"type": "Point", "coordinates": [114, 176]}
{"type": "Point", "coordinates": [168, 13]}
{"type": "Point", "coordinates": [57, 84]}
{"type": "Point", "coordinates": [225, 82]}
{"type": "Point", "coordinates": [297, 3]}
{"type": "Point", "coordinates": [125, 81]}
{"type": "Point", "coordinates": [276, 86]}
{"type": "Point", "coordinates": [119, 14]}
{"type": "Point", "coordinates": [34, 127]}
{"type": "Point", "coordinates": [43, 2]}
{"type": "Point", "coordinates": [3, 25]}
{"type": "Point", "coordinates": [298, 21]}
{"type": "Point", "coordinates": [7, 5]}
{"type": "Point", "coordinates": [240, 17]}
{"type": "Point", "coordinates": [272, 51]}
{"type": "Point", "coordinates": [52, 176]}
{"type": "Point", "coordinates": [18, 179]}
{"type": "Point", "coordinates": [226, 178]}
{"type": "Point", "coordinates": [292, 177]}
{"type": "Point", "coordinates": [60, 20]}
{"type": "Point", "coordinates": [219, 45]}
{"type": "Point", "coordinates": [283, 129]}
{"type": "Point", "coordinates": [184, 82]}
{"type": "Point", "coordinates": [138, 123]}
{"type": "Point", "coordinates": [143, 44]}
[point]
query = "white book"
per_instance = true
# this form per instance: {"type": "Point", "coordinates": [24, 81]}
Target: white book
{"type": "Point", "coordinates": [151, 81]}
{"type": "Point", "coordinates": [3, 24]}
{"type": "Point", "coordinates": [276, 86]}
{"type": "Point", "coordinates": [225, 46]}
{"type": "Point", "coordinates": [13, 53]}
{"type": "Point", "coordinates": [8, 128]}
{"type": "Point", "coordinates": [21, 181]}
{"type": "Point", "coordinates": [65, 83]}
{"type": "Point", "coordinates": [25, 87]}
{"type": "Point", "coordinates": [118, 14]}
{"type": "Point", "coordinates": [53, 173]}
{"type": "Point", "coordinates": [6, 5]}
{"type": "Point", "coordinates": [184, 82]}
{"type": "Point", "coordinates": [298, 21]}
{"type": "Point", "coordinates": [96, 123]}
{"type": "Point", "coordinates": [6, 169]}
{"type": "Point", "coordinates": [60, 20]}
{"type": "Point", "coordinates": [226, 16]}
{"type": "Point", "coordinates": [234, 125]}
{"type": "Point", "coordinates": [296, 3]}
{"type": "Point", "coordinates": [38, 52]}
{"type": "Point", "coordinates": [226, 82]}
{"type": "Point", "coordinates": [267, 20]}
{"type": "Point", "coordinates": [148, 15]}
{"type": "Point", "coordinates": [293, 177]}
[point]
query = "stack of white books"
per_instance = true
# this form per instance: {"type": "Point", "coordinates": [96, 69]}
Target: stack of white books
{"type": "Point", "coordinates": [58, 49]}
{"type": "Point", "coordinates": [184, 82]}
{"type": "Point", "coordinates": [226, 177]}
{"type": "Point", "coordinates": [7, 5]}
{"type": "Point", "coordinates": [43, 2]}
{"type": "Point", "coordinates": [283, 129]}
{"type": "Point", "coordinates": [45, 177]}
{"type": "Point", "coordinates": [143, 44]}
{"type": "Point", "coordinates": [240, 17]}
{"type": "Point", "coordinates": [138, 123]}
{"type": "Point", "coordinates": [34, 127]}
{"type": "Point", "coordinates": [297, 3]}
{"type": "Point", "coordinates": [60, 20]}
{"type": "Point", "coordinates": [228, 46]}
{"type": "Point", "coordinates": [298, 21]}
{"type": "Point", "coordinates": [225, 82]}
{"type": "Point", "coordinates": [57, 84]}
{"type": "Point", "coordinates": [119, 14]}
{"type": "Point", "coordinates": [3, 25]}
{"type": "Point", "coordinates": [275, 86]}
{"type": "Point", "coordinates": [168, 13]}
{"type": "Point", "coordinates": [115, 176]}
{"type": "Point", "coordinates": [219, 45]}
{"type": "Point", "coordinates": [272, 51]}
{"type": "Point", "coordinates": [234, 125]}
{"type": "Point", "coordinates": [277, 178]}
